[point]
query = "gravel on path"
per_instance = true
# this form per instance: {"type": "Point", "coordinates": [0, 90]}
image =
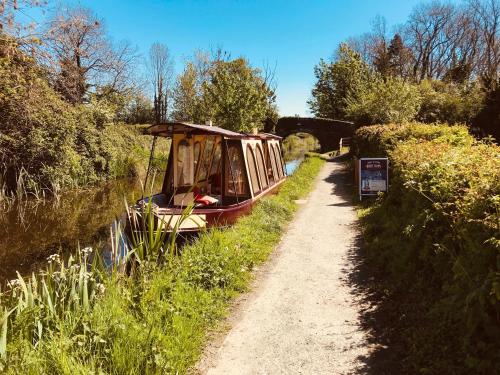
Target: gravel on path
{"type": "Point", "coordinates": [302, 316]}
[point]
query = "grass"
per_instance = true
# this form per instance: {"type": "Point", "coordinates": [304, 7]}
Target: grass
{"type": "Point", "coordinates": [156, 319]}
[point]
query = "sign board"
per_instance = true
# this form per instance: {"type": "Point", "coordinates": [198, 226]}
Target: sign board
{"type": "Point", "coordinates": [373, 176]}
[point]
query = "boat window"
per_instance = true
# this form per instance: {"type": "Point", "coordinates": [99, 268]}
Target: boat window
{"type": "Point", "coordinates": [184, 162]}
{"type": "Point", "coordinates": [252, 167]}
{"type": "Point", "coordinates": [216, 160]}
{"type": "Point", "coordinates": [262, 168]}
{"type": "Point", "coordinates": [207, 158]}
{"type": "Point", "coordinates": [278, 161]}
{"type": "Point", "coordinates": [215, 177]}
{"type": "Point", "coordinates": [236, 182]}
{"type": "Point", "coordinates": [271, 161]}
{"type": "Point", "coordinates": [283, 169]}
{"type": "Point", "coordinates": [197, 150]}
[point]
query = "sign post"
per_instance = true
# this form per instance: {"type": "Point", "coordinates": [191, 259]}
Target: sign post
{"type": "Point", "coordinates": [373, 176]}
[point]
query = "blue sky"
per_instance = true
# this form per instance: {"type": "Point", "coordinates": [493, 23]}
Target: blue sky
{"type": "Point", "coordinates": [294, 34]}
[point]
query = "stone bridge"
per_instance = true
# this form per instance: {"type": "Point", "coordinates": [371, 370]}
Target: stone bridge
{"type": "Point", "coordinates": [327, 131]}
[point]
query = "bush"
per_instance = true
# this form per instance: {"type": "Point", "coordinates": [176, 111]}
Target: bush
{"type": "Point", "coordinates": [384, 101]}
{"type": "Point", "coordinates": [50, 144]}
{"type": "Point", "coordinates": [449, 103]}
{"type": "Point", "coordinates": [436, 240]}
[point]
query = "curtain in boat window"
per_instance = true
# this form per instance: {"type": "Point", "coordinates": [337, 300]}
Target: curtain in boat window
{"type": "Point", "coordinates": [252, 167]}
{"type": "Point", "coordinates": [236, 182]}
{"type": "Point", "coordinates": [207, 158]}
{"type": "Point", "coordinates": [197, 152]}
{"type": "Point", "coordinates": [262, 168]}
{"type": "Point", "coordinates": [216, 160]}
{"type": "Point", "coordinates": [277, 157]}
{"type": "Point", "coordinates": [273, 175]}
{"type": "Point", "coordinates": [184, 163]}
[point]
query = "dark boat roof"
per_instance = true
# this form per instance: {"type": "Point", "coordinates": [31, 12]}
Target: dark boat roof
{"type": "Point", "coordinates": [166, 130]}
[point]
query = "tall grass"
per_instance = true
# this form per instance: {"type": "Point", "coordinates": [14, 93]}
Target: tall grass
{"type": "Point", "coordinates": [153, 322]}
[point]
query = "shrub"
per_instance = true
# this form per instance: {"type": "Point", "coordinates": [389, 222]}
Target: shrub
{"type": "Point", "coordinates": [435, 240]}
{"type": "Point", "coordinates": [449, 103]}
{"type": "Point", "coordinates": [51, 144]}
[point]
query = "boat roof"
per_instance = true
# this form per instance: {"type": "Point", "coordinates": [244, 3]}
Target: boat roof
{"type": "Point", "coordinates": [167, 129]}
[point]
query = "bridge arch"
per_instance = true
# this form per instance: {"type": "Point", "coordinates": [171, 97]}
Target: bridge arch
{"type": "Point", "coordinates": [327, 131]}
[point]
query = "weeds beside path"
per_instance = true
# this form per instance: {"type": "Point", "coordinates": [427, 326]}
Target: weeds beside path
{"type": "Point", "coordinates": [303, 316]}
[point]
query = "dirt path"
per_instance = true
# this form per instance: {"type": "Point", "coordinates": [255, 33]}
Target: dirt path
{"type": "Point", "coordinates": [303, 315]}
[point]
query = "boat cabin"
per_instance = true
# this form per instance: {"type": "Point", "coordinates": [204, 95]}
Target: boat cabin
{"type": "Point", "coordinates": [220, 172]}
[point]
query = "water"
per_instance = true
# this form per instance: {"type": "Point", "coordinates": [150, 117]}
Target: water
{"type": "Point", "coordinates": [33, 230]}
{"type": "Point", "coordinates": [291, 166]}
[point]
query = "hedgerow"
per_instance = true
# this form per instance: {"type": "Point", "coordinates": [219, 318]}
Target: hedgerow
{"type": "Point", "coordinates": [435, 243]}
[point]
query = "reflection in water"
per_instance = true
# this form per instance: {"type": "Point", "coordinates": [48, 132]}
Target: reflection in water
{"type": "Point", "coordinates": [31, 231]}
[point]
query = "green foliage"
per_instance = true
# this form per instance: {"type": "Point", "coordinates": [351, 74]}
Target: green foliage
{"type": "Point", "coordinates": [434, 242]}
{"type": "Point", "coordinates": [235, 96]}
{"type": "Point", "coordinates": [296, 145]}
{"type": "Point", "coordinates": [379, 140]}
{"type": "Point", "coordinates": [232, 94]}
{"type": "Point", "coordinates": [50, 144]}
{"type": "Point", "coordinates": [487, 121]}
{"type": "Point", "coordinates": [187, 96]}
{"type": "Point", "coordinates": [156, 320]}
{"type": "Point", "coordinates": [448, 102]}
{"type": "Point", "coordinates": [338, 82]}
{"type": "Point", "coordinates": [383, 101]}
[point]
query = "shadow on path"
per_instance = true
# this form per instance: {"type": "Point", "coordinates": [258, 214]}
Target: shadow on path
{"type": "Point", "coordinates": [362, 282]}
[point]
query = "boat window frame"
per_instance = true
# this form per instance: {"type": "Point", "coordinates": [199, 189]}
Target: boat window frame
{"type": "Point", "coordinates": [261, 167]}
{"type": "Point", "coordinates": [227, 171]}
{"type": "Point", "coordinates": [196, 161]}
{"type": "Point", "coordinates": [184, 141]}
{"type": "Point", "coordinates": [255, 169]}
{"type": "Point", "coordinates": [208, 157]}
{"type": "Point", "coordinates": [279, 161]}
{"type": "Point", "coordinates": [272, 162]}
{"type": "Point", "coordinates": [218, 144]}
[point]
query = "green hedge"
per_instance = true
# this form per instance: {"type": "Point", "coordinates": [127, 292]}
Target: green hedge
{"type": "Point", "coordinates": [435, 239]}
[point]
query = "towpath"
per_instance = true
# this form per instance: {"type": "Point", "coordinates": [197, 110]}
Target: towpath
{"type": "Point", "coordinates": [303, 315]}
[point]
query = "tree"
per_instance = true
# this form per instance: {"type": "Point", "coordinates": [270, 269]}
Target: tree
{"type": "Point", "coordinates": [428, 34]}
{"type": "Point", "coordinates": [236, 96]}
{"type": "Point", "coordinates": [186, 95]}
{"type": "Point", "coordinates": [399, 58]}
{"type": "Point", "coordinates": [161, 70]}
{"type": "Point", "coordinates": [82, 57]}
{"type": "Point", "coordinates": [138, 110]}
{"type": "Point", "coordinates": [486, 20]}
{"type": "Point", "coordinates": [9, 9]}
{"type": "Point", "coordinates": [338, 81]}
{"type": "Point", "coordinates": [448, 102]}
{"type": "Point", "coordinates": [383, 101]}
{"type": "Point", "coordinates": [487, 122]}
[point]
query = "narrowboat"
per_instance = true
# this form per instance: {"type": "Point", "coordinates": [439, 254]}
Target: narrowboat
{"type": "Point", "coordinates": [217, 173]}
